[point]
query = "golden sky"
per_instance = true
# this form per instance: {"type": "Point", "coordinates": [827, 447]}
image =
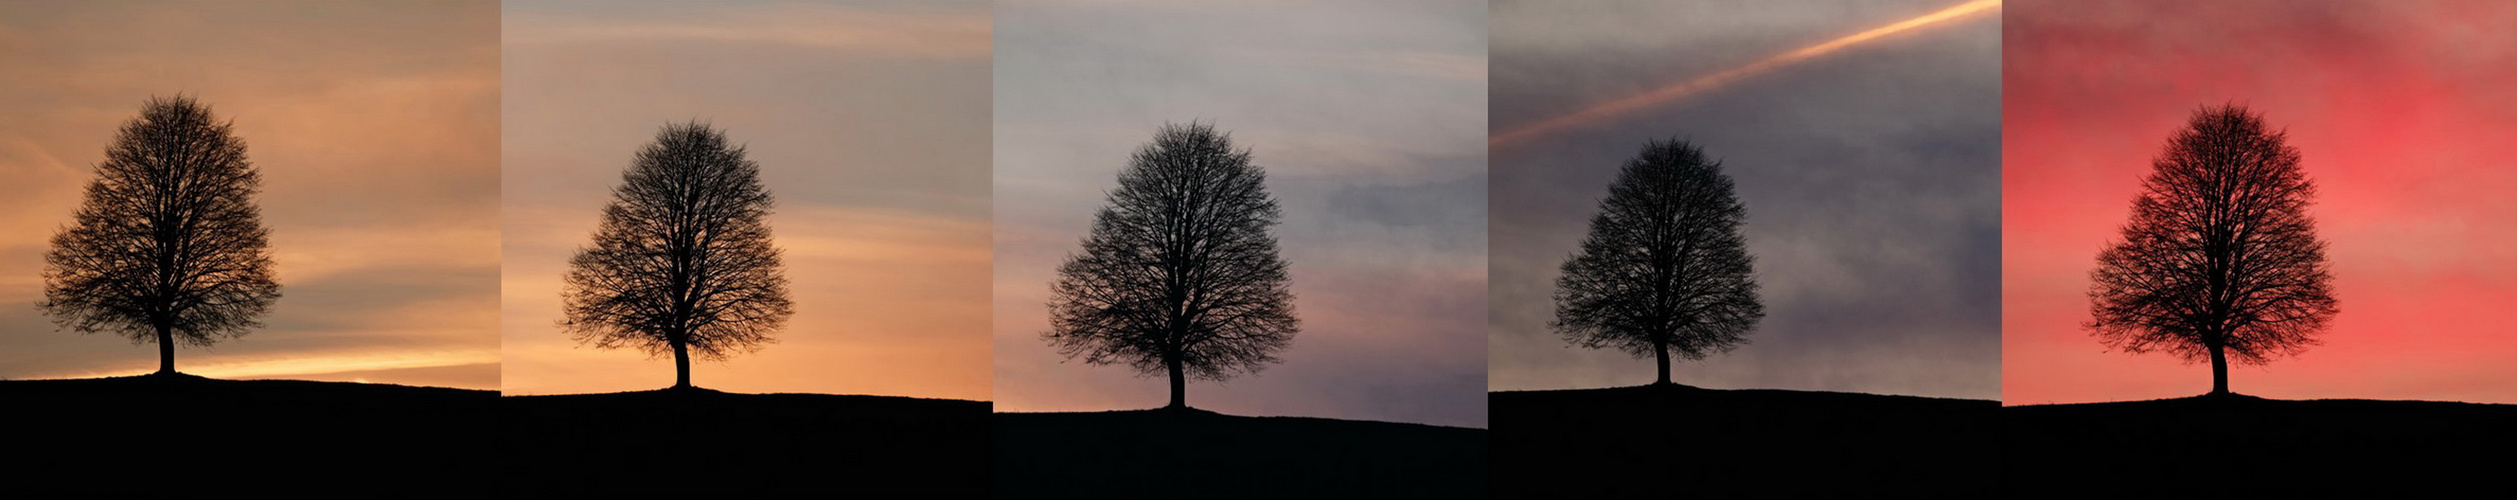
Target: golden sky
{"type": "Point", "coordinates": [871, 124]}
{"type": "Point", "coordinates": [375, 126]}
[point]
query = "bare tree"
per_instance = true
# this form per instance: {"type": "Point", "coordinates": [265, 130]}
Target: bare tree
{"type": "Point", "coordinates": [2220, 259]}
{"type": "Point", "coordinates": [1180, 275]}
{"type": "Point", "coordinates": [681, 263]}
{"type": "Point", "coordinates": [1664, 267]}
{"type": "Point", "coordinates": [168, 245]}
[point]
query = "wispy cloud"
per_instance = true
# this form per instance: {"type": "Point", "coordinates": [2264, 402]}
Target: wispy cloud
{"type": "Point", "coordinates": [955, 31]}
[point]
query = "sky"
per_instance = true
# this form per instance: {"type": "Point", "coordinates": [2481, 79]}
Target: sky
{"type": "Point", "coordinates": [2403, 114]}
{"type": "Point", "coordinates": [375, 127]}
{"type": "Point", "coordinates": [1369, 118]}
{"type": "Point", "coordinates": [870, 122]}
{"type": "Point", "coordinates": [1870, 173]}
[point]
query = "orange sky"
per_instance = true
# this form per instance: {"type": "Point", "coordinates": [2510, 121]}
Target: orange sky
{"type": "Point", "coordinates": [871, 127]}
{"type": "Point", "coordinates": [376, 130]}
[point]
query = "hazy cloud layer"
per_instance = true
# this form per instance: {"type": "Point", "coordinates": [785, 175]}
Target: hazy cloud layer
{"type": "Point", "coordinates": [870, 121]}
{"type": "Point", "coordinates": [1369, 118]}
{"type": "Point", "coordinates": [1871, 177]}
{"type": "Point", "coordinates": [376, 130]}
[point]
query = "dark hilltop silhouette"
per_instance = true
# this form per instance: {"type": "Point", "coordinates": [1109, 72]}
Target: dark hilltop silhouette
{"type": "Point", "coordinates": [1665, 274]}
{"type": "Point", "coordinates": [682, 266]}
{"type": "Point", "coordinates": [1189, 453]}
{"type": "Point", "coordinates": [168, 247]}
{"type": "Point", "coordinates": [2251, 447]}
{"type": "Point", "coordinates": [700, 443]}
{"type": "Point", "coordinates": [2220, 262]}
{"type": "Point", "coordinates": [184, 436]}
{"type": "Point", "coordinates": [1677, 441]}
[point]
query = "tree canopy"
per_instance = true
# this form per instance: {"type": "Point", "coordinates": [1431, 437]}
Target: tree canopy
{"type": "Point", "coordinates": [168, 245]}
{"type": "Point", "coordinates": [681, 263]}
{"type": "Point", "coordinates": [1664, 270]}
{"type": "Point", "coordinates": [1180, 275]}
{"type": "Point", "coordinates": [2219, 259]}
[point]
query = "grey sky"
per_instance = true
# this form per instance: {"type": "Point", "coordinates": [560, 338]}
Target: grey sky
{"type": "Point", "coordinates": [1871, 177]}
{"type": "Point", "coordinates": [1370, 120]}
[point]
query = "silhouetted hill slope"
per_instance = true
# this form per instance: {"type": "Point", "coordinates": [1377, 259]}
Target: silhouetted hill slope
{"type": "Point", "coordinates": [703, 443]}
{"type": "Point", "coordinates": [193, 437]}
{"type": "Point", "coordinates": [1684, 442]}
{"type": "Point", "coordinates": [1201, 454]}
{"type": "Point", "coordinates": [2259, 448]}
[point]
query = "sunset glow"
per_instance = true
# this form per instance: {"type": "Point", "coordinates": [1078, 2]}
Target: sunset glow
{"type": "Point", "coordinates": [375, 127]}
{"type": "Point", "coordinates": [870, 125]}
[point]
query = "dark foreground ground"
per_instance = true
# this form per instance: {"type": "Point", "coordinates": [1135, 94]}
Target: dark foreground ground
{"type": "Point", "coordinates": [2260, 448]}
{"type": "Point", "coordinates": [1200, 454]}
{"type": "Point", "coordinates": [1684, 442]}
{"type": "Point", "coordinates": [192, 437]}
{"type": "Point", "coordinates": [702, 443]}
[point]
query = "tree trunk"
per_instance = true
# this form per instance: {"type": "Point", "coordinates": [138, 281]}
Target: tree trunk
{"type": "Point", "coordinates": [1661, 347]}
{"type": "Point", "coordinates": [165, 350]}
{"type": "Point", "coordinates": [2219, 371]}
{"type": "Point", "coordinates": [1179, 384]}
{"type": "Point", "coordinates": [681, 365]}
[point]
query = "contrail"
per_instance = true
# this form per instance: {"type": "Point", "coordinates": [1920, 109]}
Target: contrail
{"type": "Point", "coordinates": [1699, 84]}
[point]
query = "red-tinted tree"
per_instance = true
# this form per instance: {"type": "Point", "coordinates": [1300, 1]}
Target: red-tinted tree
{"type": "Point", "coordinates": [2220, 260]}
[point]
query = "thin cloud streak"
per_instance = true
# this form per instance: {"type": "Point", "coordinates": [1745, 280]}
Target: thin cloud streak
{"type": "Point", "coordinates": [1695, 85]}
{"type": "Point", "coordinates": [943, 34]}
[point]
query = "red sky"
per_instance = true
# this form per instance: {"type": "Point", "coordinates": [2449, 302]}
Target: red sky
{"type": "Point", "coordinates": [2406, 115]}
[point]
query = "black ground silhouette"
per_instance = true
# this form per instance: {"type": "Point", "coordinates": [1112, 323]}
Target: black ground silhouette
{"type": "Point", "coordinates": [1676, 441]}
{"type": "Point", "coordinates": [2257, 448]}
{"type": "Point", "coordinates": [1188, 453]}
{"type": "Point", "coordinates": [193, 437]}
{"type": "Point", "coordinates": [683, 443]}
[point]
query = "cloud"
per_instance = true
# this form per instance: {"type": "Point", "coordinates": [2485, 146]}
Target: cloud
{"type": "Point", "coordinates": [942, 30]}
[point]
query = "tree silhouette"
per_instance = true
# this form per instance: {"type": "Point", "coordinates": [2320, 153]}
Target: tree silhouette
{"type": "Point", "coordinates": [1664, 267]}
{"type": "Point", "coordinates": [168, 245]}
{"type": "Point", "coordinates": [2220, 259]}
{"type": "Point", "coordinates": [1179, 275]}
{"type": "Point", "coordinates": [681, 263]}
